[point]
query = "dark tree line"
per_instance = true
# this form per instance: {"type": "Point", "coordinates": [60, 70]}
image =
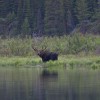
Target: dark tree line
{"type": "Point", "coordinates": [48, 17]}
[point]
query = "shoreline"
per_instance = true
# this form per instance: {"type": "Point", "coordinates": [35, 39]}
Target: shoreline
{"type": "Point", "coordinates": [63, 61]}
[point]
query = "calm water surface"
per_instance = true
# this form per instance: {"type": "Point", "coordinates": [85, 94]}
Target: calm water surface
{"type": "Point", "coordinates": [30, 84]}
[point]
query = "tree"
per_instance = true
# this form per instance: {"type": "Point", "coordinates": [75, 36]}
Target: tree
{"type": "Point", "coordinates": [3, 8]}
{"type": "Point", "coordinates": [92, 6]}
{"type": "Point", "coordinates": [82, 11]}
{"type": "Point", "coordinates": [25, 28]}
{"type": "Point", "coordinates": [39, 18]}
{"type": "Point", "coordinates": [70, 21]}
{"type": "Point", "coordinates": [54, 17]}
{"type": "Point", "coordinates": [20, 16]}
{"type": "Point", "coordinates": [97, 11]}
{"type": "Point", "coordinates": [49, 17]}
{"type": "Point", "coordinates": [69, 15]}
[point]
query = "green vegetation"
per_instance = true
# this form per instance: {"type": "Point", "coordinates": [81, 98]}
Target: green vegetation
{"type": "Point", "coordinates": [18, 61]}
{"type": "Point", "coordinates": [75, 50]}
{"type": "Point", "coordinates": [70, 61]}
{"type": "Point", "coordinates": [75, 44]}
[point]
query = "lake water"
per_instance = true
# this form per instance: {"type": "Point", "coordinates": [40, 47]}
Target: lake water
{"type": "Point", "coordinates": [65, 84]}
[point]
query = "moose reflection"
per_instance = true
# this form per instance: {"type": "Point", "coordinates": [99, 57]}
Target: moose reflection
{"type": "Point", "coordinates": [34, 84]}
{"type": "Point", "coordinates": [47, 73]}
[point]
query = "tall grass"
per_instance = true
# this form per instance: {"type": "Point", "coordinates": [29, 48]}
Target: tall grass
{"type": "Point", "coordinates": [64, 45]}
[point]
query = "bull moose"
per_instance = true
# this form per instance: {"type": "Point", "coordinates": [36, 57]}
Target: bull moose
{"type": "Point", "coordinates": [46, 55]}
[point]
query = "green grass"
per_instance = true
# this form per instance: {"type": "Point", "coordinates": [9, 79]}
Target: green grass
{"type": "Point", "coordinates": [18, 61]}
{"type": "Point", "coordinates": [69, 61]}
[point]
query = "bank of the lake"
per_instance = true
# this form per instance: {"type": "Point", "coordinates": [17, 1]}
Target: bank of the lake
{"type": "Point", "coordinates": [68, 61]}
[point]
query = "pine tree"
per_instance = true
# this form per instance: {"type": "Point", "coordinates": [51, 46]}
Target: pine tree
{"type": "Point", "coordinates": [70, 21]}
{"type": "Point", "coordinates": [92, 6]}
{"type": "Point", "coordinates": [82, 10]}
{"type": "Point", "coordinates": [20, 16]}
{"type": "Point", "coordinates": [32, 14]}
{"type": "Point", "coordinates": [3, 8]}
{"type": "Point", "coordinates": [97, 11]}
{"type": "Point", "coordinates": [25, 28]}
{"type": "Point", "coordinates": [69, 15]}
{"type": "Point", "coordinates": [10, 17]}
{"type": "Point", "coordinates": [54, 17]}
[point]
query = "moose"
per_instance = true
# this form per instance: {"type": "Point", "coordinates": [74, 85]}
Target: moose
{"type": "Point", "coordinates": [46, 55]}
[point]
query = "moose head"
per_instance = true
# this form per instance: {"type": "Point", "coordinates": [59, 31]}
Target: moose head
{"type": "Point", "coordinates": [46, 55]}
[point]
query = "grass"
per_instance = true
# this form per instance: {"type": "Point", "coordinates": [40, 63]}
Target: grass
{"type": "Point", "coordinates": [18, 61]}
{"type": "Point", "coordinates": [69, 61]}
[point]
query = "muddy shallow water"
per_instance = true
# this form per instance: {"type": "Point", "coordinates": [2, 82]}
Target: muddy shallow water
{"type": "Point", "coordinates": [64, 84]}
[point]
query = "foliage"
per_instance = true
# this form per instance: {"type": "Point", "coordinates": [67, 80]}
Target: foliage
{"type": "Point", "coordinates": [75, 44]}
{"type": "Point", "coordinates": [97, 11]}
{"type": "Point", "coordinates": [54, 23]}
{"type": "Point", "coordinates": [82, 10]}
{"type": "Point", "coordinates": [25, 29]}
{"type": "Point", "coordinates": [11, 17]}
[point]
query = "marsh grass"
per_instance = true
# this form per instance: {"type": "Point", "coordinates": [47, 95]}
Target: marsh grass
{"type": "Point", "coordinates": [18, 61]}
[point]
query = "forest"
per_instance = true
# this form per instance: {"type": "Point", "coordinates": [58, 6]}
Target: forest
{"type": "Point", "coordinates": [49, 17]}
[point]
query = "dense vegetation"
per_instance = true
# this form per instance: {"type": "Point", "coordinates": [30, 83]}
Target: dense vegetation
{"type": "Point", "coordinates": [47, 17]}
{"type": "Point", "coordinates": [75, 51]}
{"type": "Point", "coordinates": [64, 45]}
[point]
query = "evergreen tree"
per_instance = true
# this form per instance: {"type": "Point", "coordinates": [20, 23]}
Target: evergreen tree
{"type": "Point", "coordinates": [11, 17]}
{"type": "Point", "coordinates": [97, 11]}
{"type": "Point", "coordinates": [69, 15]}
{"type": "Point", "coordinates": [82, 10]}
{"type": "Point", "coordinates": [25, 28]}
{"type": "Point", "coordinates": [54, 17]}
{"type": "Point", "coordinates": [3, 8]}
{"type": "Point", "coordinates": [65, 6]}
{"type": "Point", "coordinates": [70, 21]}
{"type": "Point", "coordinates": [40, 17]}
{"type": "Point", "coordinates": [92, 6]}
{"type": "Point", "coordinates": [20, 16]}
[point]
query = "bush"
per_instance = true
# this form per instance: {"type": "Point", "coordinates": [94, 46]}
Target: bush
{"type": "Point", "coordinates": [64, 45]}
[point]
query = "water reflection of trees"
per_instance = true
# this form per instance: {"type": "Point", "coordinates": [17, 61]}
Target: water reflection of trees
{"type": "Point", "coordinates": [31, 84]}
{"type": "Point", "coordinates": [23, 85]}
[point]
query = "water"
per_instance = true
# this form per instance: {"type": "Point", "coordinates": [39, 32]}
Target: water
{"type": "Point", "coordinates": [66, 84]}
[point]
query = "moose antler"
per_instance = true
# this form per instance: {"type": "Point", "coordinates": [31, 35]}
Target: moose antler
{"type": "Point", "coordinates": [35, 49]}
{"type": "Point", "coordinates": [44, 48]}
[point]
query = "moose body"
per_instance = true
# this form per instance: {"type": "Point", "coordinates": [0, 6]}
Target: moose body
{"type": "Point", "coordinates": [46, 55]}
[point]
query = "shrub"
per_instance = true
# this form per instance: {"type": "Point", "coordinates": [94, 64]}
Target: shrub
{"type": "Point", "coordinates": [64, 45]}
